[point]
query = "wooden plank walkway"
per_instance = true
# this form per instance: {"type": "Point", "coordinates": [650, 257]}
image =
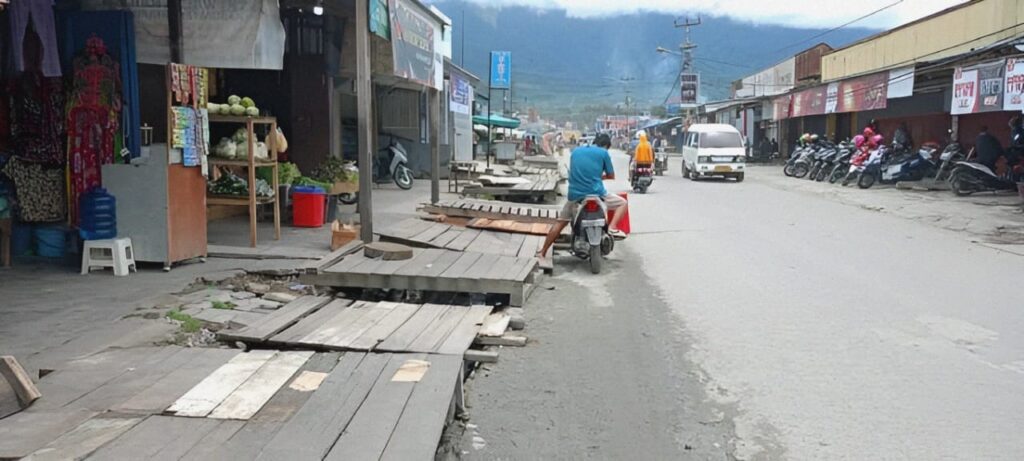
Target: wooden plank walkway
{"type": "Point", "coordinates": [494, 210]}
{"type": "Point", "coordinates": [329, 406]}
{"type": "Point", "coordinates": [434, 270]}
{"type": "Point", "coordinates": [428, 234]}
{"type": "Point", "coordinates": [345, 325]}
{"type": "Point", "coordinates": [539, 188]}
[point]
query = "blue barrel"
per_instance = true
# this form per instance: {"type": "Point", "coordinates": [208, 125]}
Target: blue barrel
{"type": "Point", "coordinates": [97, 215]}
{"type": "Point", "coordinates": [21, 239]}
{"type": "Point", "coordinates": [50, 241]}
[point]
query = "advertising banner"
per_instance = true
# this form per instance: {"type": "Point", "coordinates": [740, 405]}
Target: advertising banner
{"type": "Point", "coordinates": [501, 70]}
{"type": "Point", "coordinates": [965, 91]}
{"type": "Point", "coordinates": [380, 23]}
{"type": "Point", "coordinates": [809, 102]}
{"type": "Point", "coordinates": [1013, 89]}
{"type": "Point", "coordinates": [978, 88]}
{"type": "Point", "coordinates": [869, 92]}
{"type": "Point", "coordinates": [781, 106]}
{"type": "Point", "coordinates": [412, 42]}
{"type": "Point", "coordinates": [461, 95]}
{"type": "Point", "coordinates": [832, 98]}
{"type": "Point", "coordinates": [689, 89]}
{"type": "Point", "coordinates": [901, 82]}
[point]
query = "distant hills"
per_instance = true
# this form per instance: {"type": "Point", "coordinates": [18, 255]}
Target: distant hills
{"type": "Point", "coordinates": [562, 64]}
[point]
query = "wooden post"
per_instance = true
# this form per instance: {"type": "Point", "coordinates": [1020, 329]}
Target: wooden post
{"type": "Point", "coordinates": [435, 141]}
{"type": "Point", "coordinates": [175, 31]}
{"type": "Point", "coordinates": [365, 121]}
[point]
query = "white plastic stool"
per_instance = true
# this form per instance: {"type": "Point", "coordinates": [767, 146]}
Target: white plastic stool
{"type": "Point", "coordinates": [114, 253]}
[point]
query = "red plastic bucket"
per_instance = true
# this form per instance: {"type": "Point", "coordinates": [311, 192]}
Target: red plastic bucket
{"type": "Point", "coordinates": [308, 208]}
{"type": "Point", "coordinates": [624, 224]}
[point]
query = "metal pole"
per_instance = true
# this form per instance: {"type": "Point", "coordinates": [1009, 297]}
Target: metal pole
{"type": "Point", "coordinates": [176, 31]}
{"type": "Point", "coordinates": [490, 79]}
{"type": "Point", "coordinates": [435, 139]}
{"type": "Point", "coordinates": [364, 125]}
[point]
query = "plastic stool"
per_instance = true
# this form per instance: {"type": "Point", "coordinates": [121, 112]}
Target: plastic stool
{"type": "Point", "coordinates": [114, 253]}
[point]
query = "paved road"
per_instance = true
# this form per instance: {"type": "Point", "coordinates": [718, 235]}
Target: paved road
{"type": "Point", "coordinates": [813, 329]}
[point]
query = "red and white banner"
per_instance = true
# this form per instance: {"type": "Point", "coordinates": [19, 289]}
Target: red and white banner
{"type": "Point", "coordinates": [965, 92]}
{"type": "Point", "coordinates": [1013, 96]}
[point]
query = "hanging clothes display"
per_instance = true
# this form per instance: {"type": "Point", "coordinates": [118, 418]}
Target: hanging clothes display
{"type": "Point", "coordinates": [39, 15]}
{"type": "Point", "coordinates": [40, 191]}
{"type": "Point", "coordinates": [37, 118]}
{"type": "Point", "coordinates": [93, 118]}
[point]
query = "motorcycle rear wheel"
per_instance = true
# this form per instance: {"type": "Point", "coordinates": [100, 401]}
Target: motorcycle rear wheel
{"type": "Point", "coordinates": [349, 199]}
{"type": "Point", "coordinates": [800, 170]}
{"type": "Point", "coordinates": [595, 259]}
{"type": "Point", "coordinates": [836, 174]}
{"type": "Point", "coordinates": [959, 185]}
{"type": "Point", "coordinates": [403, 177]}
{"type": "Point", "coordinates": [787, 170]}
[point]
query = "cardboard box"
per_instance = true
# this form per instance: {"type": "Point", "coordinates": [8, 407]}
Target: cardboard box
{"type": "Point", "coordinates": [342, 234]}
{"type": "Point", "coordinates": [339, 188]}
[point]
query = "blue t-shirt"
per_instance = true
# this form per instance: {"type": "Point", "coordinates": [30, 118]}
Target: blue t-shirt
{"type": "Point", "coordinates": [586, 167]}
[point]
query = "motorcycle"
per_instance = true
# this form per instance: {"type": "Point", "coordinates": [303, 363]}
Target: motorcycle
{"type": "Point", "coordinates": [970, 177]}
{"type": "Point", "coordinates": [590, 238]}
{"type": "Point", "coordinates": [802, 164]}
{"type": "Point", "coordinates": [660, 162]}
{"type": "Point", "coordinates": [951, 155]}
{"type": "Point", "coordinates": [891, 167]}
{"type": "Point", "coordinates": [787, 169]}
{"type": "Point", "coordinates": [390, 164]}
{"type": "Point", "coordinates": [823, 161]}
{"type": "Point", "coordinates": [841, 165]}
{"type": "Point", "coordinates": [641, 178]}
{"type": "Point", "coordinates": [860, 162]}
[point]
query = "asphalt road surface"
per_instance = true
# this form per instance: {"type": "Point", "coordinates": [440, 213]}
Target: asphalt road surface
{"type": "Point", "coordinates": [746, 320]}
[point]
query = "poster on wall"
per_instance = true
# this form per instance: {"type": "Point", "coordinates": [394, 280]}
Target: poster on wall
{"type": "Point", "coordinates": [1013, 88]}
{"type": "Point", "coordinates": [809, 102]}
{"type": "Point", "coordinates": [689, 87]}
{"type": "Point", "coordinates": [869, 92]}
{"type": "Point", "coordinates": [832, 98]}
{"type": "Point", "coordinates": [965, 91]}
{"type": "Point", "coordinates": [412, 43]}
{"type": "Point", "coordinates": [461, 95]}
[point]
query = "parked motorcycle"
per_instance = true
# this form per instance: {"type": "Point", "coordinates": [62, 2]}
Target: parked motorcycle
{"type": "Point", "coordinates": [825, 160]}
{"type": "Point", "coordinates": [802, 164]}
{"type": "Point", "coordinates": [841, 155]}
{"type": "Point", "coordinates": [893, 167]}
{"type": "Point", "coordinates": [390, 164]}
{"type": "Point", "coordinates": [951, 155]}
{"type": "Point", "coordinates": [797, 153]}
{"type": "Point", "coordinates": [860, 161]}
{"type": "Point", "coordinates": [970, 177]}
{"type": "Point", "coordinates": [590, 238]}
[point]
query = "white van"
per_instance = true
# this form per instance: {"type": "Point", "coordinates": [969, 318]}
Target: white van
{"type": "Point", "coordinates": [713, 150]}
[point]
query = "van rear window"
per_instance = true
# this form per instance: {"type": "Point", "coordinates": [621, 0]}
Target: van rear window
{"type": "Point", "coordinates": [717, 139]}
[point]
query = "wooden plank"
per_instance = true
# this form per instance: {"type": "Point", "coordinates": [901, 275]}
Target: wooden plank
{"type": "Point", "coordinates": [311, 323]}
{"type": "Point", "coordinates": [418, 264]}
{"type": "Point", "coordinates": [210, 392]}
{"type": "Point", "coordinates": [495, 324]}
{"type": "Point", "coordinates": [506, 340]}
{"type": "Point", "coordinates": [439, 329]}
{"type": "Point", "coordinates": [84, 439]}
{"type": "Point", "coordinates": [515, 244]}
{"type": "Point", "coordinates": [474, 355]}
{"type": "Point", "coordinates": [207, 446]}
{"type": "Point", "coordinates": [419, 429]}
{"type": "Point", "coordinates": [78, 378]}
{"type": "Point", "coordinates": [18, 380]}
{"type": "Point", "coordinates": [398, 315]}
{"type": "Point", "coordinates": [367, 435]}
{"type": "Point", "coordinates": [404, 336]}
{"type": "Point", "coordinates": [408, 228]}
{"type": "Point", "coordinates": [340, 322]}
{"type": "Point", "coordinates": [28, 431]}
{"type": "Point", "coordinates": [467, 281]}
{"type": "Point", "coordinates": [287, 401]}
{"type": "Point", "coordinates": [459, 267]}
{"type": "Point", "coordinates": [333, 257]}
{"type": "Point", "coordinates": [464, 240]}
{"type": "Point", "coordinates": [136, 378]}
{"type": "Point", "coordinates": [164, 392]}
{"type": "Point", "coordinates": [463, 335]}
{"type": "Point", "coordinates": [276, 321]}
{"type": "Point", "coordinates": [261, 386]}
{"type": "Point", "coordinates": [157, 438]}
{"type": "Point", "coordinates": [315, 428]}
{"type": "Point", "coordinates": [346, 263]}
{"type": "Point", "coordinates": [375, 313]}
{"type": "Point", "coordinates": [431, 232]}
{"type": "Point", "coordinates": [444, 239]}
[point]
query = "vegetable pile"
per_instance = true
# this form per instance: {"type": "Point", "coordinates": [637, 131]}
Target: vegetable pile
{"type": "Point", "coordinates": [236, 106]}
{"type": "Point", "coordinates": [231, 184]}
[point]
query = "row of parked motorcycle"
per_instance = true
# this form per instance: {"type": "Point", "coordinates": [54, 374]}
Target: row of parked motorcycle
{"type": "Point", "coordinates": [846, 163]}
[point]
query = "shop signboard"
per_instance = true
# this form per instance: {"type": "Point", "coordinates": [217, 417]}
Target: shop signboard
{"type": "Point", "coordinates": [832, 98]}
{"type": "Point", "coordinates": [461, 94]}
{"type": "Point", "coordinates": [809, 102]}
{"type": "Point", "coordinates": [412, 43]}
{"type": "Point", "coordinates": [869, 92]}
{"type": "Point", "coordinates": [380, 24]}
{"type": "Point", "coordinates": [1013, 88]}
{"type": "Point", "coordinates": [978, 88]}
{"type": "Point", "coordinates": [689, 89]}
{"type": "Point", "coordinates": [501, 70]}
{"type": "Point", "coordinates": [781, 107]}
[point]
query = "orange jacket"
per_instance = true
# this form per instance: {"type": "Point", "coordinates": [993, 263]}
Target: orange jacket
{"type": "Point", "coordinates": [644, 151]}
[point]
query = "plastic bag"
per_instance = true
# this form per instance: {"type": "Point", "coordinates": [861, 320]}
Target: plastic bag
{"type": "Point", "coordinates": [277, 139]}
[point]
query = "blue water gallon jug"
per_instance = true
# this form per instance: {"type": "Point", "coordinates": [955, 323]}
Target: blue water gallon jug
{"type": "Point", "coordinates": [97, 215]}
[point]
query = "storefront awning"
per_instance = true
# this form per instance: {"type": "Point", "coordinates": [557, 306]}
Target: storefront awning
{"type": "Point", "coordinates": [497, 120]}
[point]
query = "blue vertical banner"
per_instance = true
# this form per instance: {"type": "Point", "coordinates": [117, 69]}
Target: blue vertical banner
{"type": "Point", "coordinates": [501, 69]}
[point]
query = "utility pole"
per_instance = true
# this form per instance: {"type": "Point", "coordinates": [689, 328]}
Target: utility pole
{"type": "Point", "coordinates": [687, 47]}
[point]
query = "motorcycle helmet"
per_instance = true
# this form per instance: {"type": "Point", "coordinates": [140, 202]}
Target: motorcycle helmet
{"type": "Point", "coordinates": [814, 138]}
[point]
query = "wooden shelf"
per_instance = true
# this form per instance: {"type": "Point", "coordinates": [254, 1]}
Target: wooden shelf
{"type": "Point", "coordinates": [217, 118]}
{"type": "Point", "coordinates": [226, 162]}
{"type": "Point", "coordinates": [237, 200]}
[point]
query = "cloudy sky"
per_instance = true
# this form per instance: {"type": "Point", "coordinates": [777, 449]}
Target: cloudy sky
{"type": "Point", "coordinates": [797, 13]}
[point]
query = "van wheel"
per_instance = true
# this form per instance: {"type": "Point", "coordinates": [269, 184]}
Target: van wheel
{"type": "Point", "coordinates": [739, 177]}
{"type": "Point", "coordinates": [686, 172]}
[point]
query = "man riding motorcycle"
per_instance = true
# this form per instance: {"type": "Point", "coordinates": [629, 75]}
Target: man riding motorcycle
{"type": "Point", "coordinates": [589, 166]}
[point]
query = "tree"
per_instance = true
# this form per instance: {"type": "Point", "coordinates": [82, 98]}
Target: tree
{"type": "Point", "coordinates": [659, 111]}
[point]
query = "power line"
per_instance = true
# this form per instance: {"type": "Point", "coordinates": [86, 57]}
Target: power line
{"type": "Point", "coordinates": [897, 2]}
{"type": "Point", "coordinates": [672, 89]}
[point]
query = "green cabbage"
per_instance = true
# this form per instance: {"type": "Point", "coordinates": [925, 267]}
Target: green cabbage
{"type": "Point", "coordinates": [252, 111]}
{"type": "Point", "coordinates": [247, 102]}
{"type": "Point", "coordinates": [234, 99]}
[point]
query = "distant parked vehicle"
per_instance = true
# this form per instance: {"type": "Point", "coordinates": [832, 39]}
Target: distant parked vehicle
{"type": "Point", "coordinates": [713, 150]}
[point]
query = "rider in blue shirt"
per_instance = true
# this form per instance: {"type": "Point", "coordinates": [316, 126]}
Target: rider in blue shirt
{"type": "Point", "coordinates": [589, 167]}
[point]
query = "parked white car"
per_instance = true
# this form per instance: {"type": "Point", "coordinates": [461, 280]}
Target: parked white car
{"type": "Point", "coordinates": [713, 150]}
